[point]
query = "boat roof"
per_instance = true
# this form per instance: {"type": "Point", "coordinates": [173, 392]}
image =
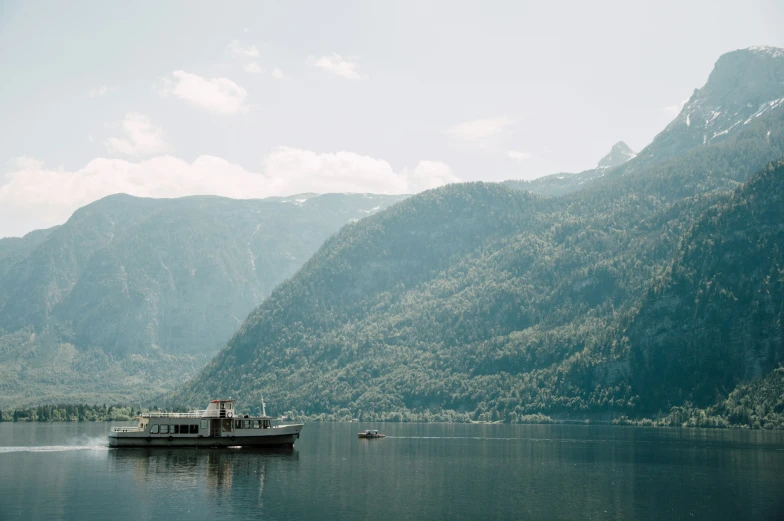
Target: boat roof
{"type": "Point", "coordinates": [216, 401]}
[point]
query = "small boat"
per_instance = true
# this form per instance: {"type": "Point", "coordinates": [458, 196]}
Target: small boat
{"type": "Point", "coordinates": [216, 426]}
{"type": "Point", "coordinates": [369, 434]}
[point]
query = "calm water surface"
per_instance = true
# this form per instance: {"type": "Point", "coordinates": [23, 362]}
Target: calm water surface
{"type": "Point", "coordinates": [422, 471]}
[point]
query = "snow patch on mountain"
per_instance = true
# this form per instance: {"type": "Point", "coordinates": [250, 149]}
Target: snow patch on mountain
{"type": "Point", "coordinates": [764, 108]}
{"type": "Point", "coordinates": [743, 86]}
{"type": "Point", "coordinates": [773, 52]}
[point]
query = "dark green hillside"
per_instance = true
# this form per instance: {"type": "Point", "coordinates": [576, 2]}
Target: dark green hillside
{"type": "Point", "coordinates": [474, 299]}
{"type": "Point", "coordinates": [716, 317]}
{"type": "Point", "coordinates": [518, 320]}
{"type": "Point", "coordinates": [333, 315]}
{"type": "Point", "coordinates": [14, 249]}
{"type": "Point", "coordinates": [131, 295]}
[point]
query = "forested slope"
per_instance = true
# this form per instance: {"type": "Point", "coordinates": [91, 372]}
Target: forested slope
{"type": "Point", "coordinates": [131, 295]}
{"type": "Point", "coordinates": [494, 303]}
{"type": "Point", "coordinates": [499, 320]}
{"type": "Point", "coordinates": [715, 317]}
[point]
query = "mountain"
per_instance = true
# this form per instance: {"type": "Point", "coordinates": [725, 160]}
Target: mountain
{"type": "Point", "coordinates": [745, 85]}
{"type": "Point", "coordinates": [561, 184]}
{"type": "Point", "coordinates": [14, 249]}
{"type": "Point", "coordinates": [133, 294]}
{"type": "Point", "coordinates": [475, 301]}
{"type": "Point", "coordinates": [715, 318]}
{"type": "Point", "coordinates": [618, 155]}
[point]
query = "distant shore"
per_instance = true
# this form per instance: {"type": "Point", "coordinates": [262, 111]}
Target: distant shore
{"type": "Point", "coordinates": [686, 416]}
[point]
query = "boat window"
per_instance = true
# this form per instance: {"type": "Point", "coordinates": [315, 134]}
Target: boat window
{"type": "Point", "coordinates": [154, 429]}
{"type": "Point", "coordinates": [194, 429]}
{"type": "Point", "coordinates": [266, 424]}
{"type": "Point", "coordinates": [184, 429]}
{"type": "Point", "coordinates": [175, 429]}
{"type": "Point", "coordinates": [237, 424]}
{"type": "Point", "coordinates": [256, 424]}
{"type": "Point", "coordinates": [246, 424]}
{"type": "Point", "coordinates": [205, 424]}
{"type": "Point", "coordinates": [164, 429]}
{"type": "Point", "coordinates": [227, 426]}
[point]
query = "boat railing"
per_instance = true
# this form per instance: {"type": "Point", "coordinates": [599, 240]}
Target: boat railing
{"type": "Point", "coordinates": [205, 413]}
{"type": "Point", "coordinates": [126, 429]}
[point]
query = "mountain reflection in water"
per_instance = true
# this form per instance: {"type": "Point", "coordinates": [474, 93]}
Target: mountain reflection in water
{"type": "Point", "coordinates": [420, 471]}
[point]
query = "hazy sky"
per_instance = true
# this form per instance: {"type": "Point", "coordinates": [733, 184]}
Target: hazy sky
{"type": "Point", "coordinates": [166, 99]}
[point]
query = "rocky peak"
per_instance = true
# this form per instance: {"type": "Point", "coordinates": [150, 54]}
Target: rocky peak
{"type": "Point", "coordinates": [618, 155]}
{"type": "Point", "coordinates": [743, 86]}
{"type": "Point", "coordinates": [752, 76]}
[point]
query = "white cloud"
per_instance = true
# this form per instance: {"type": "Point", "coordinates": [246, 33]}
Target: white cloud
{"type": "Point", "coordinates": [277, 73]}
{"type": "Point", "coordinates": [217, 95]}
{"type": "Point", "coordinates": [236, 47]}
{"type": "Point", "coordinates": [97, 92]}
{"type": "Point", "coordinates": [336, 65]}
{"type": "Point", "coordinates": [253, 68]}
{"type": "Point", "coordinates": [517, 155]}
{"type": "Point", "coordinates": [142, 138]}
{"type": "Point", "coordinates": [674, 110]}
{"type": "Point", "coordinates": [292, 170]}
{"type": "Point", "coordinates": [427, 175]}
{"type": "Point", "coordinates": [34, 196]}
{"type": "Point", "coordinates": [479, 133]}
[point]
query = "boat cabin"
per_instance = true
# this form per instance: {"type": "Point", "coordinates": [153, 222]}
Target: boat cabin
{"type": "Point", "coordinates": [217, 425]}
{"type": "Point", "coordinates": [218, 419]}
{"type": "Point", "coordinates": [220, 409]}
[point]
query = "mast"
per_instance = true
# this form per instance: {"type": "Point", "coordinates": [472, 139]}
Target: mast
{"type": "Point", "coordinates": [263, 406]}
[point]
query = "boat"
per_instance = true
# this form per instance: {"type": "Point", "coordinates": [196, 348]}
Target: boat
{"type": "Point", "coordinates": [216, 426]}
{"type": "Point", "coordinates": [371, 434]}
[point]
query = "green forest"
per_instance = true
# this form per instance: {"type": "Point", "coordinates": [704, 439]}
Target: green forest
{"type": "Point", "coordinates": [72, 412]}
{"type": "Point", "coordinates": [485, 303]}
{"type": "Point", "coordinates": [131, 296]}
{"type": "Point", "coordinates": [648, 290]}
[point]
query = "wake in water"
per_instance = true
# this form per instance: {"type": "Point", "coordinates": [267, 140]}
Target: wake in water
{"type": "Point", "coordinates": [449, 438]}
{"type": "Point", "coordinates": [83, 442]}
{"type": "Point", "coordinates": [53, 448]}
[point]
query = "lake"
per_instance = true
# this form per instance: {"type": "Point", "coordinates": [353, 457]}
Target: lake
{"type": "Point", "coordinates": [421, 471]}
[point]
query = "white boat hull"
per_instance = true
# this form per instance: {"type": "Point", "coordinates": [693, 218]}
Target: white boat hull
{"type": "Point", "coordinates": [281, 436]}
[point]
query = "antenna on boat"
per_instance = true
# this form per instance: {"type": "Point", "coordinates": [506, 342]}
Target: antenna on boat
{"type": "Point", "coordinates": [263, 406]}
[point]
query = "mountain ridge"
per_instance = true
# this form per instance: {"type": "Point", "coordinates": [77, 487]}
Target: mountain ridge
{"type": "Point", "coordinates": [556, 185]}
{"type": "Point", "coordinates": [729, 101]}
{"type": "Point", "coordinates": [528, 321]}
{"type": "Point", "coordinates": [134, 293]}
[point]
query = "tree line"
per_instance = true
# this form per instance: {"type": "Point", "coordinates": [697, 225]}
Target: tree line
{"type": "Point", "coordinates": [70, 412]}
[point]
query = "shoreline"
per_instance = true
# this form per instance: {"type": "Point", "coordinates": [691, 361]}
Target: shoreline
{"type": "Point", "coordinates": [644, 423]}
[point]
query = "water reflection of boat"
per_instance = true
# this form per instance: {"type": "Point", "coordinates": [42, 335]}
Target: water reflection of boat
{"type": "Point", "coordinates": [218, 469]}
{"type": "Point", "coordinates": [216, 426]}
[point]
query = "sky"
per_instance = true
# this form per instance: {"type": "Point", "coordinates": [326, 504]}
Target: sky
{"type": "Point", "coordinates": [256, 99]}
